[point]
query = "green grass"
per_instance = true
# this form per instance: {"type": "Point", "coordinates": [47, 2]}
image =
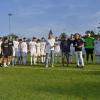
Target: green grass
{"type": "Point", "coordinates": [59, 83]}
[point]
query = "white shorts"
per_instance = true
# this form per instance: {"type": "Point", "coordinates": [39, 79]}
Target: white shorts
{"type": "Point", "coordinates": [38, 53]}
{"type": "Point", "coordinates": [42, 52]}
{"type": "Point", "coordinates": [33, 53]}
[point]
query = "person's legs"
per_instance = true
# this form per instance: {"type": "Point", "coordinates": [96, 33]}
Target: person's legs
{"type": "Point", "coordinates": [5, 60]}
{"type": "Point", "coordinates": [77, 59]}
{"type": "Point", "coordinates": [52, 58]}
{"type": "Point", "coordinates": [81, 59]}
{"type": "Point", "coordinates": [97, 58]}
{"type": "Point", "coordinates": [91, 52]}
{"type": "Point", "coordinates": [47, 59]}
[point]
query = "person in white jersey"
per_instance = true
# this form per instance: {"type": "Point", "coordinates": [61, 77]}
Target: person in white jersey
{"type": "Point", "coordinates": [15, 50]}
{"type": "Point", "coordinates": [43, 44]}
{"type": "Point", "coordinates": [97, 50]}
{"type": "Point", "coordinates": [57, 50]}
{"type": "Point", "coordinates": [47, 50]}
{"type": "Point", "coordinates": [24, 51]}
{"type": "Point", "coordinates": [32, 49]}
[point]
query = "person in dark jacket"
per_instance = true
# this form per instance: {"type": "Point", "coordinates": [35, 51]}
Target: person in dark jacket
{"type": "Point", "coordinates": [65, 49]}
{"type": "Point", "coordinates": [78, 44]}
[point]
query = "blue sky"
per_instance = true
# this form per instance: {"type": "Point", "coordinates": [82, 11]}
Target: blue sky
{"type": "Point", "coordinates": [37, 17]}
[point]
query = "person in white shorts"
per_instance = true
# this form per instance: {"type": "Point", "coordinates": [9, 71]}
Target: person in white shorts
{"type": "Point", "coordinates": [24, 51]}
{"type": "Point", "coordinates": [97, 50]}
{"type": "Point", "coordinates": [38, 46]}
{"type": "Point", "coordinates": [15, 51]}
{"type": "Point", "coordinates": [57, 50]}
{"type": "Point", "coordinates": [32, 49]}
{"type": "Point", "coordinates": [43, 44]}
{"type": "Point", "coordinates": [47, 50]}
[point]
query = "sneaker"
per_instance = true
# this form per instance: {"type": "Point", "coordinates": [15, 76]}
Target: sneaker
{"type": "Point", "coordinates": [52, 66]}
{"type": "Point", "coordinates": [46, 66]}
{"type": "Point", "coordinates": [5, 66]}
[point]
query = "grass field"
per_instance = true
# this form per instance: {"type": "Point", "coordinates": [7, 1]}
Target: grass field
{"type": "Point", "coordinates": [59, 83]}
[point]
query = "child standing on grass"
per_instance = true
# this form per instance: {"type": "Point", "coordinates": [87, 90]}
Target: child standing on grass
{"type": "Point", "coordinates": [97, 50]}
{"type": "Point", "coordinates": [78, 44]}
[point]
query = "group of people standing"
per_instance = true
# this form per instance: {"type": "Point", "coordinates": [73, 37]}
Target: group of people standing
{"type": "Point", "coordinates": [49, 51]}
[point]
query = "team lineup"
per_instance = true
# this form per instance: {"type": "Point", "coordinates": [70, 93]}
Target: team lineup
{"type": "Point", "coordinates": [49, 51]}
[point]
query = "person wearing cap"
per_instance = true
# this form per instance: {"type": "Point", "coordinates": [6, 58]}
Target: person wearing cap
{"type": "Point", "coordinates": [65, 49]}
{"type": "Point", "coordinates": [89, 47]}
{"type": "Point", "coordinates": [78, 44]}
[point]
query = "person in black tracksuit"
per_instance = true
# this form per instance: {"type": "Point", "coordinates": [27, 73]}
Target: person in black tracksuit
{"type": "Point", "coordinates": [10, 53]}
{"type": "Point", "coordinates": [5, 50]}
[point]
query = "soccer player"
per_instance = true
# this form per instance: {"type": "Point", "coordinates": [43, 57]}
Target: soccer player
{"type": "Point", "coordinates": [0, 52]}
{"type": "Point", "coordinates": [43, 44]}
{"type": "Point", "coordinates": [38, 46]}
{"type": "Point", "coordinates": [32, 49]}
{"type": "Point", "coordinates": [89, 47]}
{"type": "Point", "coordinates": [78, 44]}
{"type": "Point", "coordinates": [57, 50]}
{"type": "Point", "coordinates": [24, 49]}
{"type": "Point", "coordinates": [65, 49]}
{"type": "Point", "coordinates": [15, 50]}
{"type": "Point", "coordinates": [5, 51]}
{"type": "Point", "coordinates": [10, 45]}
{"type": "Point", "coordinates": [97, 49]}
{"type": "Point", "coordinates": [47, 50]}
{"type": "Point", "coordinates": [51, 41]}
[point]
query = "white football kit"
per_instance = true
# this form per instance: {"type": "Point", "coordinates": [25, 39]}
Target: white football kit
{"type": "Point", "coordinates": [32, 48]}
{"type": "Point", "coordinates": [43, 44]}
{"type": "Point", "coordinates": [24, 52]}
{"type": "Point", "coordinates": [16, 48]}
